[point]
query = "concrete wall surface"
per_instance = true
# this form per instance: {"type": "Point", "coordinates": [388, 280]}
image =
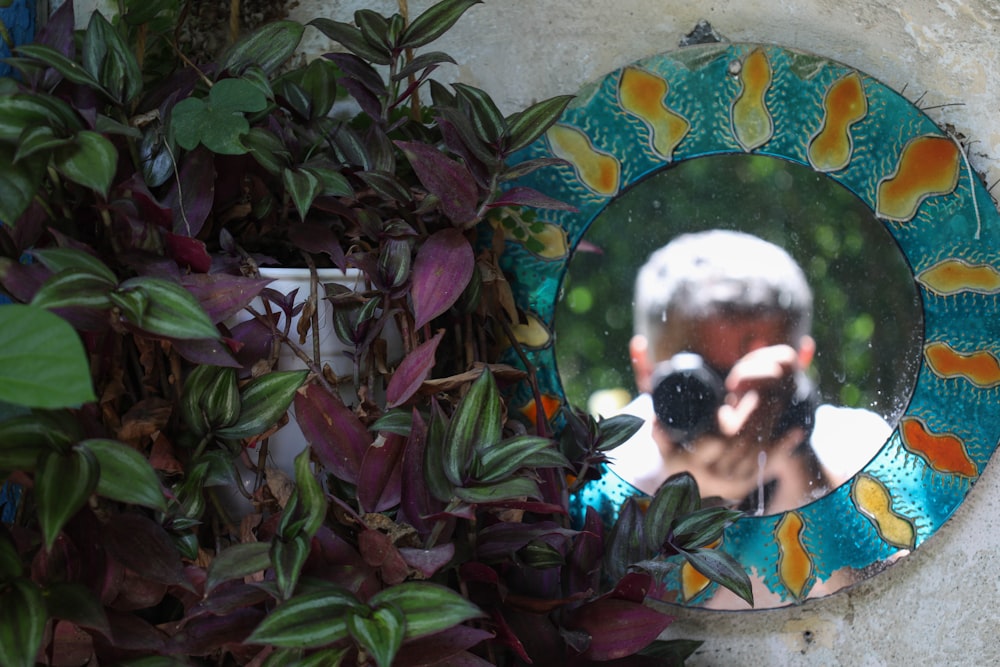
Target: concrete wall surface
{"type": "Point", "coordinates": [939, 605]}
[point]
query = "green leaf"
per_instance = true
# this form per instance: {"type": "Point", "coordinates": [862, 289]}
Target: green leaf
{"type": "Point", "coordinates": [267, 47]}
{"type": "Point", "coordinates": [399, 421]}
{"type": "Point", "coordinates": [70, 69]}
{"type": "Point", "coordinates": [672, 651]}
{"type": "Point", "coordinates": [74, 288]}
{"type": "Point", "coordinates": [38, 139]}
{"type": "Point", "coordinates": [236, 95]}
{"type": "Point", "coordinates": [18, 183]}
{"type": "Point", "coordinates": [10, 560]}
{"type": "Point", "coordinates": [425, 61]}
{"type": "Point", "coordinates": [287, 558]}
{"type": "Point", "coordinates": [476, 424]}
{"type": "Point", "coordinates": [90, 160]}
{"type": "Point", "coordinates": [434, 22]}
{"type": "Point", "coordinates": [42, 361]}
{"type": "Point", "coordinates": [625, 544]}
{"type": "Point", "coordinates": [428, 608]}
{"type": "Point", "coordinates": [613, 431]}
{"type": "Point", "coordinates": [526, 126]}
{"type": "Point", "coordinates": [267, 149]}
{"type": "Point", "coordinates": [303, 187]}
{"type": "Point", "coordinates": [236, 562]}
{"type": "Point", "coordinates": [77, 604]}
{"type": "Point", "coordinates": [486, 117]}
{"type": "Point", "coordinates": [437, 481]}
{"type": "Point", "coordinates": [170, 310]}
{"type": "Point", "coordinates": [25, 111]}
{"type": "Point", "coordinates": [721, 567]}
{"type": "Point", "coordinates": [60, 259]}
{"type": "Point", "coordinates": [22, 623]}
{"type": "Point", "coordinates": [319, 82]}
{"type": "Point", "coordinates": [702, 527]}
{"type": "Point", "coordinates": [263, 401]}
{"type": "Point", "coordinates": [504, 458]}
{"type": "Point", "coordinates": [312, 499]}
{"type": "Point", "coordinates": [218, 121]}
{"type": "Point", "coordinates": [63, 483]}
{"type": "Point", "coordinates": [310, 620]}
{"type": "Point", "coordinates": [108, 58]}
{"type": "Point", "coordinates": [126, 475]}
{"type": "Point", "coordinates": [374, 28]}
{"type": "Point", "coordinates": [380, 633]}
{"type": "Point", "coordinates": [510, 489]}
{"type": "Point", "coordinates": [351, 38]}
{"type": "Point", "coordinates": [676, 497]}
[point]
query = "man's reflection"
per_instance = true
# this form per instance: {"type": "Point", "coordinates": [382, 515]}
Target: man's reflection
{"type": "Point", "coordinates": [720, 354]}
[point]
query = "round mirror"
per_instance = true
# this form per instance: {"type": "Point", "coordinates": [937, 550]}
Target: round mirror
{"type": "Point", "coordinates": [832, 123]}
{"type": "Point", "coordinates": [866, 313]}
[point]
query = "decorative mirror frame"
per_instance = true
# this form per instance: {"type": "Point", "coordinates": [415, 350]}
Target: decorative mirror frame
{"type": "Point", "coordinates": [769, 100]}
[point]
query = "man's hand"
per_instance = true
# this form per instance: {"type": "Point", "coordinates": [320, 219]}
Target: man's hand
{"type": "Point", "coordinates": [760, 386]}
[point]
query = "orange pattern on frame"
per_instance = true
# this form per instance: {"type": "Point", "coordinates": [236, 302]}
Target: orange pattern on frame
{"type": "Point", "coordinates": [873, 499]}
{"type": "Point", "coordinates": [694, 582]}
{"type": "Point", "coordinates": [752, 122]}
{"type": "Point", "coordinates": [944, 452]}
{"type": "Point", "coordinates": [642, 94]}
{"type": "Point", "coordinates": [980, 368]}
{"type": "Point", "coordinates": [955, 275]}
{"type": "Point", "coordinates": [928, 166]}
{"type": "Point", "coordinates": [550, 405]}
{"type": "Point", "coordinates": [795, 565]}
{"type": "Point", "coordinates": [597, 170]}
{"type": "Point", "coordinates": [845, 104]}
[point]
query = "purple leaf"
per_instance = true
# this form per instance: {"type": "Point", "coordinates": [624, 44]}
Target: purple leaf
{"type": "Point", "coordinates": [448, 180]}
{"type": "Point", "coordinates": [411, 372]}
{"type": "Point", "coordinates": [415, 497]}
{"type": "Point", "coordinates": [255, 339]}
{"type": "Point", "coordinates": [222, 295]}
{"type": "Point", "coordinates": [188, 252]}
{"type": "Point", "coordinates": [207, 634]}
{"type": "Point", "coordinates": [142, 545]}
{"type": "Point", "coordinates": [523, 196]}
{"type": "Point", "coordinates": [436, 649]}
{"type": "Point", "coordinates": [205, 351]}
{"type": "Point", "coordinates": [586, 554]}
{"type": "Point", "coordinates": [316, 238]}
{"type": "Point", "coordinates": [379, 484]}
{"type": "Point", "coordinates": [503, 539]}
{"type": "Point", "coordinates": [428, 561]}
{"type": "Point", "coordinates": [617, 628]}
{"type": "Point", "coordinates": [337, 436]}
{"type": "Point", "coordinates": [193, 202]}
{"type": "Point", "coordinates": [441, 271]}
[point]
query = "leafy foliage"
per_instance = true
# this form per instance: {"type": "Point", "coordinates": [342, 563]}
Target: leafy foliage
{"type": "Point", "coordinates": [424, 523]}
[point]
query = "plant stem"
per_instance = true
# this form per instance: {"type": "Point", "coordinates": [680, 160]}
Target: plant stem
{"type": "Point", "coordinates": [541, 419]}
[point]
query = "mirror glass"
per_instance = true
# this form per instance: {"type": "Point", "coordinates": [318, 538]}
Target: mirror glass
{"type": "Point", "coordinates": [867, 318]}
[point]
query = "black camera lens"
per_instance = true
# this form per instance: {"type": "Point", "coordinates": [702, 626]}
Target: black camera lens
{"type": "Point", "coordinates": [686, 394]}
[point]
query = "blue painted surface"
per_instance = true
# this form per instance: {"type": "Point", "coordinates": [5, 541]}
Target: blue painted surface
{"type": "Point", "coordinates": [19, 20]}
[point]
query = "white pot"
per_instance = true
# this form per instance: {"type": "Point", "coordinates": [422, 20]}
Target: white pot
{"type": "Point", "coordinates": [288, 442]}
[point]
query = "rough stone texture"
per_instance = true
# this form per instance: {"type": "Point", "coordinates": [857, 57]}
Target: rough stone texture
{"type": "Point", "coordinates": [938, 605]}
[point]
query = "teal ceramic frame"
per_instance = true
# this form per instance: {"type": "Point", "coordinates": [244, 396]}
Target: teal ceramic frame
{"type": "Point", "coordinates": [768, 100]}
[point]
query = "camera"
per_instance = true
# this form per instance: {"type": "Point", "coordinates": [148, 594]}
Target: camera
{"type": "Point", "coordinates": [687, 394]}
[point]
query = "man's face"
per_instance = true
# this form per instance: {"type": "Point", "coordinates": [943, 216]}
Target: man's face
{"type": "Point", "coordinates": [723, 340]}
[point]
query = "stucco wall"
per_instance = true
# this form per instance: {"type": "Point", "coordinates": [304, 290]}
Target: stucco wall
{"type": "Point", "coordinates": [939, 605]}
